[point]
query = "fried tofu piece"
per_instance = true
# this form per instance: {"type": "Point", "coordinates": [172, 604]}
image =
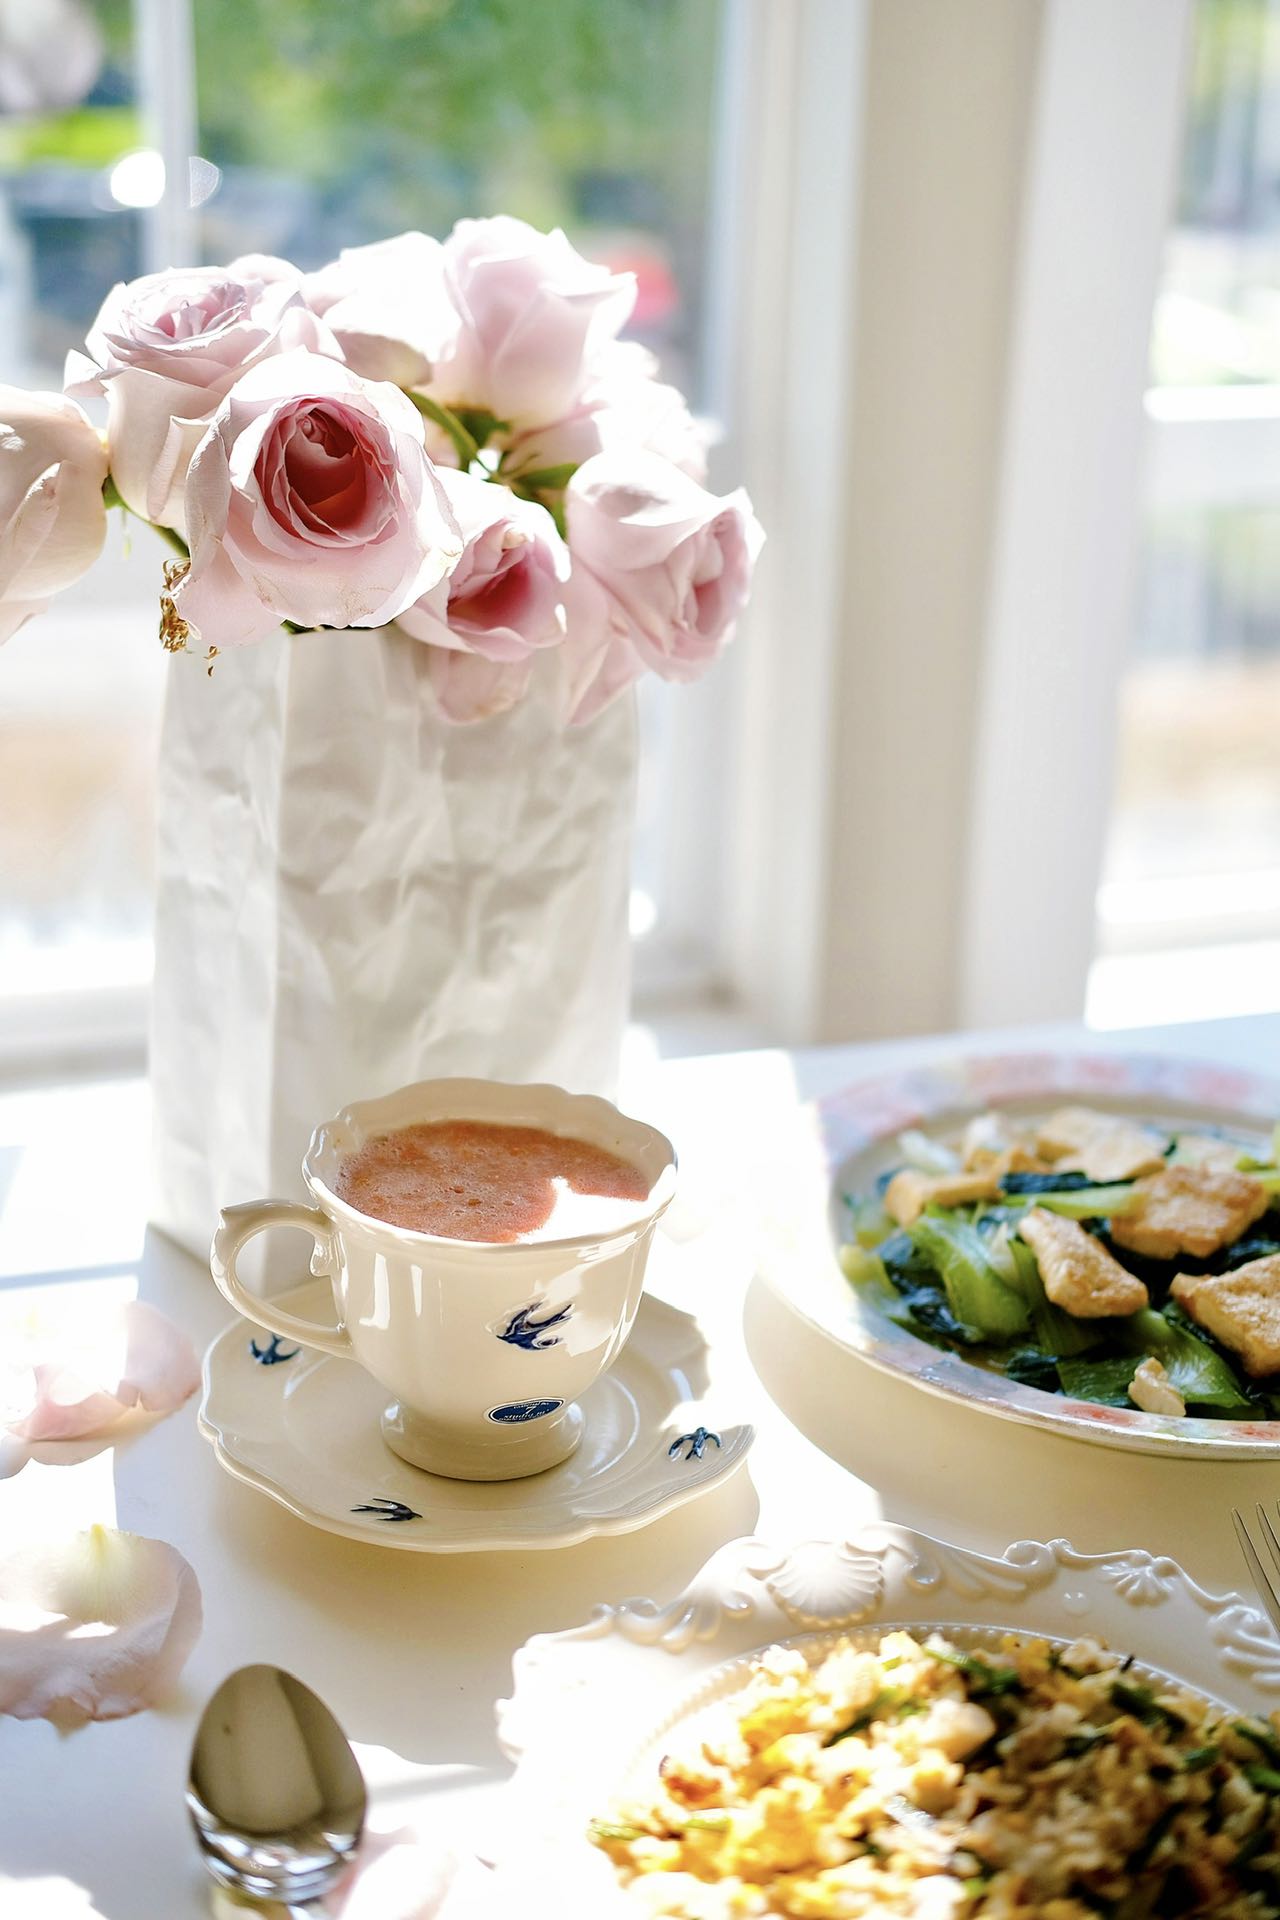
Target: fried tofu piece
{"type": "Point", "coordinates": [991, 1140]}
{"type": "Point", "coordinates": [910, 1192]}
{"type": "Point", "coordinates": [1240, 1308]}
{"type": "Point", "coordinates": [1079, 1274]}
{"type": "Point", "coordinates": [1103, 1146]}
{"type": "Point", "coordinates": [1153, 1391]}
{"type": "Point", "coordinates": [1189, 1210]}
{"type": "Point", "coordinates": [1017, 1160]}
{"type": "Point", "coordinates": [1206, 1150]}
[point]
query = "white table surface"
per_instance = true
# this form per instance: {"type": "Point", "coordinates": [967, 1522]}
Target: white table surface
{"type": "Point", "coordinates": [411, 1650]}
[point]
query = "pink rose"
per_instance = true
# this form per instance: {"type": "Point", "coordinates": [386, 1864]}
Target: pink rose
{"type": "Point", "coordinates": [622, 404]}
{"type": "Point", "coordinates": [386, 306]}
{"type": "Point", "coordinates": [532, 313]}
{"type": "Point", "coordinates": [502, 602]}
{"type": "Point", "coordinates": [673, 562]}
{"type": "Point", "coordinates": [311, 498]}
{"type": "Point", "coordinates": [598, 660]}
{"type": "Point", "coordinates": [468, 687]}
{"type": "Point", "coordinates": [52, 520]}
{"type": "Point", "coordinates": [167, 349]}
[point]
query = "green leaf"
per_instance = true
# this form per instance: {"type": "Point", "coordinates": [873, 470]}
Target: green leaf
{"type": "Point", "coordinates": [1057, 1331]}
{"type": "Point", "coordinates": [1201, 1376]}
{"type": "Point", "coordinates": [464, 443]}
{"type": "Point", "coordinates": [600, 1832]}
{"type": "Point", "coordinates": [977, 1296]}
{"type": "Point", "coordinates": [548, 479]}
{"type": "Point", "coordinates": [1132, 1696]}
{"type": "Point", "coordinates": [870, 1223]}
{"type": "Point", "coordinates": [1260, 1735]}
{"type": "Point", "coordinates": [1104, 1380]}
{"type": "Point", "coordinates": [480, 424]}
{"type": "Point", "coordinates": [982, 1676]}
{"type": "Point", "coordinates": [1089, 1203]}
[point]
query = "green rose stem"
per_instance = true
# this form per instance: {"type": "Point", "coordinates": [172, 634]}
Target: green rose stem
{"type": "Point", "coordinates": [112, 497]}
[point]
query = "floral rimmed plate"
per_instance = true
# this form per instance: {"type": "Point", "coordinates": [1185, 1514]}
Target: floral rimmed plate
{"type": "Point", "coordinates": [302, 1426]}
{"type": "Point", "coordinates": [851, 1137]}
{"type": "Point", "coordinates": [588, 1704]}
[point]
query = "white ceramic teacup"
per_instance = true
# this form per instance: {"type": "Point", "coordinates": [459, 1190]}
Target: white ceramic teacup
{"type": "Point", "coordinates": [486, 1347]}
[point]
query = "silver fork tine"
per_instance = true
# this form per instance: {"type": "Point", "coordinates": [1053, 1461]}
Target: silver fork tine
{"type": "Point", "coordinates": [1273, 1543]}
{"type": "Point", "coordinates": [1257, 1571]}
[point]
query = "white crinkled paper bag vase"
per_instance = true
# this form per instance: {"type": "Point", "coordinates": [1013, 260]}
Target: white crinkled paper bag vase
{"type": "Point", "coordinates": [354, 894]}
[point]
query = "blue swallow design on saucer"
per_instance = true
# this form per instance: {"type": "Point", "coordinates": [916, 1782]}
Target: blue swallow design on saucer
{"type": "Point", "coordinates": [271, 1355]}
{"type": "Point", "coordinates": [695, 1441]}
{"type": "Point", "coordinates": [522, 1330]}
{"type": "Point", "coordinates": [391, 1511]}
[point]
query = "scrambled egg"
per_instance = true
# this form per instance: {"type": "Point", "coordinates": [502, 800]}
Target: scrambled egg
{"type": "Point", "coordinates": [922, 1781]}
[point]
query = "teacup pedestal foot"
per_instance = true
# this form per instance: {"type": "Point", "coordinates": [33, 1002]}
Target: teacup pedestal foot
{"type": "Point", "coordinates": [524, 1437]}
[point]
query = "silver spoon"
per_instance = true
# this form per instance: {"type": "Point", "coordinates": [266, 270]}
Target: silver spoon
{"type": "Point", "coordinates": [275, 1795]}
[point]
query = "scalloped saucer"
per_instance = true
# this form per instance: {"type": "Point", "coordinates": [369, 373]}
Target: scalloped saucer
{"type": "Point", "coordinates": [302, 1427]}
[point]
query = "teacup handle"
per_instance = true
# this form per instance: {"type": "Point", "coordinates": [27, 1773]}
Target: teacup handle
{"type": "Point", "coordinates": [239, 1224]}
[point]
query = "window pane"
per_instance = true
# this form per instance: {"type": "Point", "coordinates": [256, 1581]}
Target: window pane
{"type": "Point", "coordinates": [1189, 910]}
{"type": "Point", "coordinates": [335, 124]}
{"type": "Point", "coordinates": [1217, 318]}
{"type": "Point", "coordinates": [82, 685]}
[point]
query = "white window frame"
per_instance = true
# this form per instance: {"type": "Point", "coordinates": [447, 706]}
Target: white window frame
{"type": "Point", "coordinates": [926, 747]}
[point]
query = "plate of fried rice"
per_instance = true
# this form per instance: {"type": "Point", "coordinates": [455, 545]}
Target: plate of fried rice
{"type": "Point", "coordinates": [1046, 1734]}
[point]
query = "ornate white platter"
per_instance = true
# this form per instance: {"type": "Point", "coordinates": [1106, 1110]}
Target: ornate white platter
{"type": "Point", "coordinates": [302, 1427]}
{"type": "Point", "coordinates": [850, 1137]}
{"type": "Point", "coordinates": [586, 1702]}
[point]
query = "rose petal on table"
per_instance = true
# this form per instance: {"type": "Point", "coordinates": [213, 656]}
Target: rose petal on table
{"type": "Point", "coordinates": [94, 1626]}
{"type": "Point", "coordinates": [402, 1875]}
{"type": "Point", "coordinates": [91, 1367]}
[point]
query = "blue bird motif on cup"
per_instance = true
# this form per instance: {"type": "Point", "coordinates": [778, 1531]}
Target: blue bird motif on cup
{"type": "Point", "coordinates": [522, 1330]}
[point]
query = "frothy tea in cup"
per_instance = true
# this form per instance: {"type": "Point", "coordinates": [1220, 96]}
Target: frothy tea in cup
{"type": "Point", "coordinates": [480, 1180]}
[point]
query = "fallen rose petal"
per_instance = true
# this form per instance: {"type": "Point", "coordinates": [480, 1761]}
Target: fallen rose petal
{"type": "Point", "coordinates": [89, 1368]}
{"type": "Point", "coordinates": [94, 1627]}
{"type": "Point", "coordinates": [402, 1875]}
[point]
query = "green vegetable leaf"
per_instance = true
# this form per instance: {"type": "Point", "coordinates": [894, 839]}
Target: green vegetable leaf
{"type": "Point", "coordinates": [1260, 1735]}
{"type": "Point", "coordinates": [1089, 1203]}
{"type": "Point", "coordinates": [1103, 1379]}
{"type": "Point", "coordinates": [1058, 1332]}
{"type": "Point", "coordinates": [982, 1676]}
{"type": "Point", "coordinates": [977, 1296]}
{"type": "Point", "coordinates": [1201, 1376]}
{"type": "Point", "coordinates": [1132, 1697]}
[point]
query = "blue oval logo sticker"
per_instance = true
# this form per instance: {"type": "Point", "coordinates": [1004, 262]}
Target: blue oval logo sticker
{"type": "Point", "coordinates": [517, 1411]}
